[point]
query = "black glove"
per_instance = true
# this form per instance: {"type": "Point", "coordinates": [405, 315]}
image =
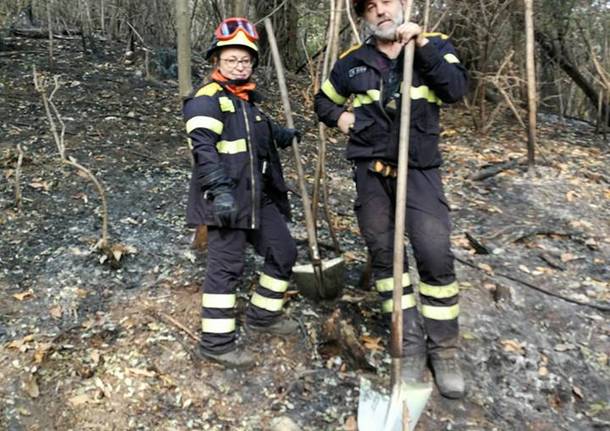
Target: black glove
{"type": "Point", "coordinates": [284, 135]}
{"type": "Point", "coordinates": [225, 208]}
{"type": "Point", "coordinates": [215, 183]}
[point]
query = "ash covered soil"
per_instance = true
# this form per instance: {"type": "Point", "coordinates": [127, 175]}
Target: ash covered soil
{"type": "Point", "coordinates": [84, 345]}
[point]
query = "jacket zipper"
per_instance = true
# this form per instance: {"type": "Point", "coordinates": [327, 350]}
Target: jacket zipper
{"type": "Point", "coordinates": [381, 101]}
{"type": "Point", "coordinates": [252, 184]}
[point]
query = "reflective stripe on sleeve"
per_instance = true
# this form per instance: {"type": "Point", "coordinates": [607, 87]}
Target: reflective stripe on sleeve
{"type": "Point", "coordinates": [274, 284]}
{"type": "Point", "coordinates": [203, 122]}
{"type": "Point", "coordinates": [423, 92]}
{"type": "Point", "coordinates": [371, 96]}
{"type": "Point", "coordinates": [217, 326]}
{"type": "Point", "coordinates": [216, 300]}
{"type": "Point", "coordinates": [387, 284]}
{"type": "Point", "coordinates": [440, 313]}
{"type": "Point", "coordinates": [269, 304]}
{"type": "Point", "coordinates": [439, 292]}
{"type": "Point", "coordinates": [451, 58]}
{"type": "Point", "coordinates": [329, 89]}
{"type": "Point", "coordinates": [408, 301]}
{"type": "Point", "coordinates": [232, 147]}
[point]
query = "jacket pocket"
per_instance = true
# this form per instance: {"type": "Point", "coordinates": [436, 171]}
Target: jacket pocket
{"type": "Point", "coordinates": [360, 125]}
{"type": "Point", "coordinates": [425, 118]}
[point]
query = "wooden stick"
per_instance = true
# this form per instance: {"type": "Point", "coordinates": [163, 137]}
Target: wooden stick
{"type": "Point", "coordinates": [315, 195]}
{"type": "Point", "coordinates": [169, 319]}
{"type": "Point", "coordinates": [309, 224]}
{"type": "Point", "coordinates": [401, 203]}
{"type": "Point", "coordinates": [350, 18]}
{"type": "Point", "coordinates": [18, 177]}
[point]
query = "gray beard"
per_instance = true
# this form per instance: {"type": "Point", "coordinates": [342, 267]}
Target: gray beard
{"type": "Point", "coordinates": [386, 34]}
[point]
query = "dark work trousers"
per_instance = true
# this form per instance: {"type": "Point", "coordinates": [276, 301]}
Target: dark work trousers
{"type": "Point", "coordinates": [226, 249]}
{"type": "Point", "coordinates": [428, 228]}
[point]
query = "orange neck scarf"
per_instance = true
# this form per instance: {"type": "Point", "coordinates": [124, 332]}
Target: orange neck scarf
{"type": "Point", "coordinates": [242, 91]}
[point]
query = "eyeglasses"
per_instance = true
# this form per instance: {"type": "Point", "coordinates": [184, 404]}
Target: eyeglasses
{"type": "Point", "coordinates": [230, 26]}
{"type": "Point", "coordinates": [233, 62]}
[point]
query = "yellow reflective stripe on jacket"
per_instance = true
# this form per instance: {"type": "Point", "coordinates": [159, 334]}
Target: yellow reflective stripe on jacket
{"type": "Point", "coordinates": [450, 58]}
{"type": "Point", "coordinates": [371, 96]}
{"type": "Point", "coordinates": [349, 50]}
{"type": "Point", "coordinates": [269, 304]}
{"type": "Point", "coordinates": [217, 300]}
{"type": "Point", "coordinates": [226, 104]}
{"type": "Point", "coordinates": [423, 92]}
{"type": "Point", "coordinates": [439, 292]}
{"type": "Point", "coordinates": [329, 89]}
{"type": "Point", "coordinates": [408, 301]}
{"type": "Point", "coordinates": [217, 326]}
{"type": "Point", "coordinates": [273, 284]}
{"type": "Point", "coordinates": [203, 122]}
{"type": "Point", "coordinates": [232, 147]}
{"type": "Point", "coordinates": [387, 284]}
{"type": "Point", "coordinates": [440, 313]}
{"type": "Point", "coordinates": [209, 90]}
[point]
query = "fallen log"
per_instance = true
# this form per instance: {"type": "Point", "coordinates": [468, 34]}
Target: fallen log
{"type": "Point", "coordinates": [43, 33]}
{"type": "Point", "coordinates": [494, 170]}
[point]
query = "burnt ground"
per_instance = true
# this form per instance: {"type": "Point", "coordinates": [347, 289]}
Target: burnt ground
{"type": "Point", "coordinates": [87, 346]}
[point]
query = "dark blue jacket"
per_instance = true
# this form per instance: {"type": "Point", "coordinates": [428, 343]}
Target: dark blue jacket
{"type": "Point", "coordinates": [438, 77]}
{"type": "Point", "coordinates": [234, 134]}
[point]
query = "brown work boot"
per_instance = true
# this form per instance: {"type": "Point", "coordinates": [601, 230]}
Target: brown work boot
{"type": "Point", "coordinates": [448, 376]}
{"type": "Point", "coordinates": [412, 368]}
{"type": "Point", "coordinates": [240, 357]}
{"type": "Point", "coordinates": [283, 327]}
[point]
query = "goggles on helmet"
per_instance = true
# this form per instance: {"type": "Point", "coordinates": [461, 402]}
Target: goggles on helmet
{"type": "Point", "coordinates": [230, 26]}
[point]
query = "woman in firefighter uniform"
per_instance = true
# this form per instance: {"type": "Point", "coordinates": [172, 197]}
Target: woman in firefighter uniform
{"type": "Point", "coordinates": [237, 189]}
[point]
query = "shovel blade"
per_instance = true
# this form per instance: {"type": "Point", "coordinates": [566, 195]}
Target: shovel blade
{"type": "Point", "coordinates": [377, 411]}
{"type": "Point", "coordinates": [332, 279]}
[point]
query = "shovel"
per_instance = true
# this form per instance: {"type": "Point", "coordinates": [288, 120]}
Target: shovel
{"type": "Point", "coordinates": [318, 280]}
{"type": "Point", "coordinates": [401, 411]}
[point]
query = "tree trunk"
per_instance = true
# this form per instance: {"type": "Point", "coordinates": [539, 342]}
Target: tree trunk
{"type": "Point", "coordinates": [555, 49]}
{"type": "Point", "coordinates": [240, 8]}
{"type": "Point", "coordinates": [285, 22]}
{"type": "Point", "coordinates": [531, 84]}
{"type": "Point", "coordinates": [184, 47]}
{"type": "Point", "coordinates": [50, 28]}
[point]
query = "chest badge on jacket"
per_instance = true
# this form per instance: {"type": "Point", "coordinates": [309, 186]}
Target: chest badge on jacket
{"type": "Point", "coordinates": [355, 71]}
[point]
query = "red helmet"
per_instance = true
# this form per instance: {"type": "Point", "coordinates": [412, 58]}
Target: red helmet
{"type": "Point", "coordinates": [359, 6]}
{"type": "Point", "coordinates": [238, 32]}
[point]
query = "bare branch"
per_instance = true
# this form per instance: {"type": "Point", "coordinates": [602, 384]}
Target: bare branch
{"type": "Point", "coordinates": [18, 177]}
{"type": "Point", "coordinates": [54, 117]}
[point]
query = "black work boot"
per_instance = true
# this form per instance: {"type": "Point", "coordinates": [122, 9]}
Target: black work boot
{"type": "Point", "coordinates": [413, 367]}
{"type": "Point", "coordinates": [283, 327]}
{"type": "Point", "coordinates": [240, 357]}
{"type": "Point", "coordinates": [448, 375]}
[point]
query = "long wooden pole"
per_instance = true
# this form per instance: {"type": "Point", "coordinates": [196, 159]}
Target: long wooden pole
{"type": "Point", "coordinates": [315, 196]}
{"type": "Point", "coordinates": [309, 224]}
{"type": "Point", "coordinates": [401, 204]}
{"type": "Point", "coordinates": [531, 84]}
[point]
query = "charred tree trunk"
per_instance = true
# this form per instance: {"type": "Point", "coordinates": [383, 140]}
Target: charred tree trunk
{"type": "Point", "coordinates": [285, 19]}
{"type": "Point", "coordinates": [555, 49]}
{"type": "Point", "coordinates": [183, 30]}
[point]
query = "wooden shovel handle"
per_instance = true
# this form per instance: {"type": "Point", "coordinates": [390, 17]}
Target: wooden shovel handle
{"type": "Point", "coordinates": [401, 193]}
{"type": "Point", "coordinates": [311, 232]}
